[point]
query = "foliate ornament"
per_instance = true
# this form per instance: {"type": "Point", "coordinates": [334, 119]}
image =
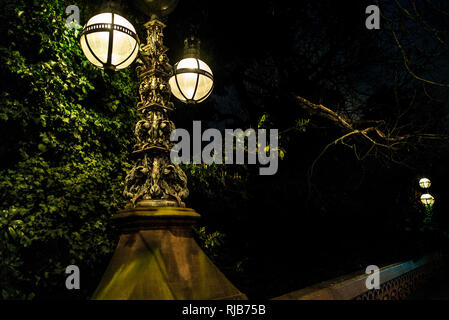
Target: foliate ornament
{"type": "Point", "coordinates": [154, 180]}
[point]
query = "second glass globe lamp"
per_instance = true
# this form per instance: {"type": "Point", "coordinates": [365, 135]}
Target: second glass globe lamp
{"type": "Point", "coordinates": [192, 80]}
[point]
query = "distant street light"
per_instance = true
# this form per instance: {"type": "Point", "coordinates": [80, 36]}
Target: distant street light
{"type": "Point", "coordinates": [427, 200]}
{"type": "Point", "coordinates": [425, 183]}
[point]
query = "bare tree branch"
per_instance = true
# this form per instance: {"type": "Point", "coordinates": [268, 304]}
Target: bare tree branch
{"type": "Point", "coordinates": [381, 141]}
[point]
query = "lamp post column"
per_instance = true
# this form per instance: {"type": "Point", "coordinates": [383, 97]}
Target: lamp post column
{"type": "Point", "coordinates": [154, 181]}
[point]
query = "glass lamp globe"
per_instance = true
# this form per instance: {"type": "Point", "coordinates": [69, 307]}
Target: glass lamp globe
{"type": "Point", "coordinates": [109, 41]}
{"type": "Point", "coordinates": [427, 199]}
{"type": "Point", "coordinates": [192, 80]}
{"type": "Point", "coordinates": [424, 183]}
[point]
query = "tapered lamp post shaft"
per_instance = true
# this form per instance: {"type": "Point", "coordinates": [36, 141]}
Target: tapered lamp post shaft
{"type": "Point", "coordinates": [154, 180]}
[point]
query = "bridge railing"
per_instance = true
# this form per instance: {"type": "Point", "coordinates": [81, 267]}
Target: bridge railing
{"type": "Point", "coordinates": [396, 282]}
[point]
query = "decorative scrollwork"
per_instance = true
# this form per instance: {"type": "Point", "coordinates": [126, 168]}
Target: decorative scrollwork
{"type": "Point", "coordinates": [154, 177]}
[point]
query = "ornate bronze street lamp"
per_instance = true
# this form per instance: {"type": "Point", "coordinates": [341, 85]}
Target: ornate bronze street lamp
{"type": "Point", "coordinates": [157, 257]}
{"type": "Point", "coordinates": [109, 41]}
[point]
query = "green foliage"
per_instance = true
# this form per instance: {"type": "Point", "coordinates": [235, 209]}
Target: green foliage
{"type": "Point", "coordinates": [210, 241]}
{"type": "Point", "coordinates": [66, 128]}
{"type": "Point", "coordinates": [301, 124]}
{"type": "Point", "coordinates": [214, 181]}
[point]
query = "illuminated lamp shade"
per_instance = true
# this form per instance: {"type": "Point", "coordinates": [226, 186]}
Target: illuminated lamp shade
{"type": "Point", "coordinates": [109, 41]}
{"type": "Point", "coordinates": [424, 183]}
{"type": "Point", "coordinates": [192, 80]}
{"type": "Point", "coordinates": [427, 199]}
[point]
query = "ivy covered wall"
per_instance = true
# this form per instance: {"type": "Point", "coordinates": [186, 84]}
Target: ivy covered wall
{"type": "Point", "coordinates": [65, 131]}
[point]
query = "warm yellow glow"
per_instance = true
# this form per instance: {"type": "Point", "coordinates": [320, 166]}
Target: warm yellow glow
{"type": "Point", "coordinates": [427, 199]}
{"type": "Point", "coordinates": [424, 183]}
{"type": "Point", "coordinates": [191, 86]}
{"type": "Point", "coordinates": [187, 83]}
{"type": "Point", "coordinates": [124, 46]}
{"type": "Point", "coordinates": [98, 42]}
